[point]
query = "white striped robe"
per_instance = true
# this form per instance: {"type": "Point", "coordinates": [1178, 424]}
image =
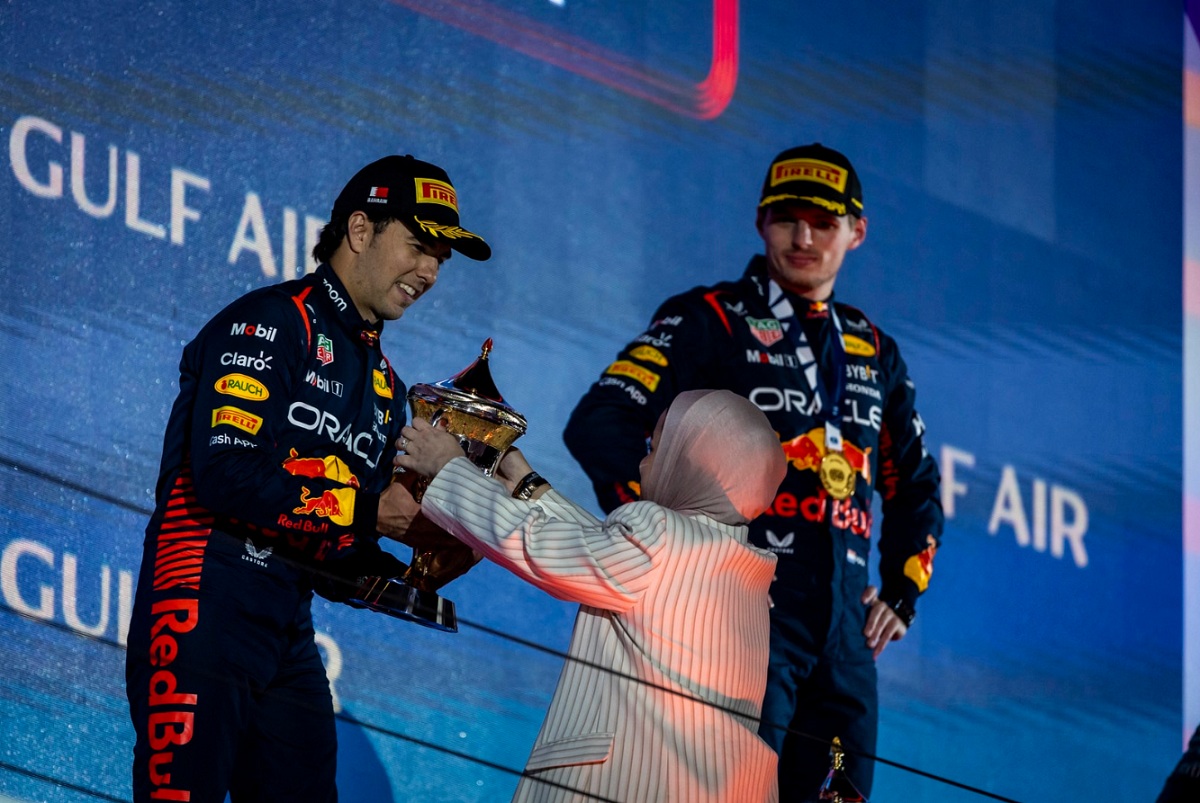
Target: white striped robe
{"type": "Point", "coordinates": [660, 697]}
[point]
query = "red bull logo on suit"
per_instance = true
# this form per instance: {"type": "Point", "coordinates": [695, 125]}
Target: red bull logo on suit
{"type": "Point", "coordinates": [806, 451]}
{"type": "Point", "coordinates": [329, 467]}
{"type": "Point", "coordinates": [337, 506]}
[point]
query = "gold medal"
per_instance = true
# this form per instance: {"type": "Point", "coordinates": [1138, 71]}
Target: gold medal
{"type": "Point", "coordinates": [837, 475]}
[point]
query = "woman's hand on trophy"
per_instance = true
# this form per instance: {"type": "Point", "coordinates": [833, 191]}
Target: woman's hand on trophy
{"type": "Point", "coordinates": [513, 468]}
{"type": "Point", "coordinates": [426, 448]}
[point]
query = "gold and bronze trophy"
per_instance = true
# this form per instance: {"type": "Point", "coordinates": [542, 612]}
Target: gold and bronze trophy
{"type": "Point", "coordinates": [473, 410]}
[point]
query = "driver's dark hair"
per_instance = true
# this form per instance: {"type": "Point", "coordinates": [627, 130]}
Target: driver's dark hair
{"type": "Point", "coordinates": [333, 232]}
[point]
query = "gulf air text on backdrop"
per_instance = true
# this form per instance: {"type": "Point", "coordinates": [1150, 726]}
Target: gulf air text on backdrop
{"type": "Point", "coordinates": [51, 163]}
{"type": "Point", "coordinates": [1039, 514]}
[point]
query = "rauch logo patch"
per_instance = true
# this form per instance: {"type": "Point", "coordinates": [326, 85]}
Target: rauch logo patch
{"type": "Point", "coordinates": [242, 386]}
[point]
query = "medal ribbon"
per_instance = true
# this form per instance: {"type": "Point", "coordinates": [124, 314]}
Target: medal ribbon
{"type": "Point", "coordinates": [830, 398]}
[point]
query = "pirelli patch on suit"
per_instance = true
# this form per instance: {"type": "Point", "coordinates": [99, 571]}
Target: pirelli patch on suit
{"type": "Point", "coordinates": [637, 373]}
{"type": "Point", "coordinates": [237, 418]}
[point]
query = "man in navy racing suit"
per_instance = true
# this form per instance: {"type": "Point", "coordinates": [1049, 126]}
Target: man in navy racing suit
{"type": "Point", "coordinates": [274, 482]}
{"type": "Point", "coordinates": [838, 394]}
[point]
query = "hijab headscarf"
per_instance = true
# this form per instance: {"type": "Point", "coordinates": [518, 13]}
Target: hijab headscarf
{"type": "Point", "coordinates": [717, 455]}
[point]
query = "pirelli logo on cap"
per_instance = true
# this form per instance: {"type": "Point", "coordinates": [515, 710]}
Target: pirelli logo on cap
{"type": "Point", "coordinates": [808, 170]}
{"type": "Point", "coordinates": [637, 373]}
{"type": "Point", "coordinates": [432, 191]}
{"type": "Point", "coordinates": [238, 418]}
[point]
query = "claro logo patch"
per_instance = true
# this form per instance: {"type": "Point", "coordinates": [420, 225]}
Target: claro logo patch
{"type": "Point", "coordinates": [242, 386]}
{"type": "Point", "coordinates": [237, 418]}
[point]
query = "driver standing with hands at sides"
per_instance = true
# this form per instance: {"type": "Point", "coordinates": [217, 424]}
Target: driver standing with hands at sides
{"type": "Point", "coordinates": [838, 394]}
{"type": "Point", "coordinates": [274, 482]}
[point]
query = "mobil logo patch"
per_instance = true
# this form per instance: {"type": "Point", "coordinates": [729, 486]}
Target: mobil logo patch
{"type": "Point", "coordinates": [255, 330]}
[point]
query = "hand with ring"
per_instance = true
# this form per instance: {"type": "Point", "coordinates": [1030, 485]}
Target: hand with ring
{"type": "Point", "coordinates": [427, 448]}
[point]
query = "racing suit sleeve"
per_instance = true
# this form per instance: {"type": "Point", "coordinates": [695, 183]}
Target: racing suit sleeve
{"type": "Point", "coordinates": [609, 430]}
{"type": "Point", "coordinates": [911, 530]}
{"type": "Point", "coordinates": [239, 373]}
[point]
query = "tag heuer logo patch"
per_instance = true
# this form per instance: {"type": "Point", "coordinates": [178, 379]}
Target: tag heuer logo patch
{"type": "Point", "coordinates": [767, 330]}
{"type": "Point", "coordinates": [324, 349]}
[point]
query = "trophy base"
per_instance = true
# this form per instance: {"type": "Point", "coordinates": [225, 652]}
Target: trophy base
{"type": "Point", "coordinates": [399, 599]}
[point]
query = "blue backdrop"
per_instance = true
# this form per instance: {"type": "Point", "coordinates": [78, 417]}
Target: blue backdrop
{"type": "Point", "coordinates": [1022, 170]}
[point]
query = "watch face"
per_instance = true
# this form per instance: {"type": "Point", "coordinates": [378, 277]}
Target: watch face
{"type": "Point", "coordinates": [528, 484]}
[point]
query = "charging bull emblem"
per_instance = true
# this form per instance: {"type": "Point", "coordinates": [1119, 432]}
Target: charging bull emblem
{"type": "Point", "coordinates": [807, 451]}
{"type": "Point", "coordinates": [336, 505]}
{"type": "Point", "coordinates": [329, 467]}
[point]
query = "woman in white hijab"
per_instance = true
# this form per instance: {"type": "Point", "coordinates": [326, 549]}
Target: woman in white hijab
{"type": "Point", "coordinates": [660, 697]}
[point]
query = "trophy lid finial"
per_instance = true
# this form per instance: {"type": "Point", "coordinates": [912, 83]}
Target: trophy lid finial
{"type": "Point", "coordinates": [476, 378]}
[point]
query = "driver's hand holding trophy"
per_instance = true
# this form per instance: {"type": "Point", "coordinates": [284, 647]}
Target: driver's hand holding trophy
{"type": "Point", "coordinates": [469, 406]}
